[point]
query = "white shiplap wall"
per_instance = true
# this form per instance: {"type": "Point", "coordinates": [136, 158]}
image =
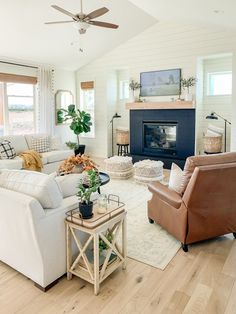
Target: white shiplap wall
{"type": "Point", "coordinates": [163, 46]}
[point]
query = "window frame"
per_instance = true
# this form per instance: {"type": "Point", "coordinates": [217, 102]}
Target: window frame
{"type": "Point", "coordinates": [208, 83]}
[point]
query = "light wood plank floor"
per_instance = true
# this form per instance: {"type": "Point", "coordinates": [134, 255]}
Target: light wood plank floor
{"type": "Point", "coordinates": [200, 281]}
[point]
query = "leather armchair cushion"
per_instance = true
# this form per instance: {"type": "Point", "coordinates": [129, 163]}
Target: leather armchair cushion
{"type": "Point", "coordinates": [165, 194]}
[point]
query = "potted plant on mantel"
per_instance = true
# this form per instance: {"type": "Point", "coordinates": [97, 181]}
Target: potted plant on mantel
{"type": "Point", "coordinates": [187, 84]}
{"type": "Point", "coordinates": [80, 122]}
{"type": "Point", "coordinates": [133, 85]}
{"type": "Point", "coordinates": [88, 185]}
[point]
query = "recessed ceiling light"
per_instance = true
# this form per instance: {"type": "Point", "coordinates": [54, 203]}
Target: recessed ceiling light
{"type": "Point", "coordinates": [219, 11]}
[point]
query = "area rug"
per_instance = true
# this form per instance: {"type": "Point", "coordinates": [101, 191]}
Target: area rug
{"type": "Point", "coordinates": [147, 243]}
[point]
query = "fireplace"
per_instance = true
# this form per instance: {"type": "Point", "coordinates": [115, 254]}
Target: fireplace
{"type": "Point", "coordinates": [162, 134]}
{"type": "Point", "coordinates": [160, 137]}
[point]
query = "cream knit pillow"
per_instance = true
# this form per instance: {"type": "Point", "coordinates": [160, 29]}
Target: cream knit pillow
{"type": "Point", "coordinates": [176, 179]}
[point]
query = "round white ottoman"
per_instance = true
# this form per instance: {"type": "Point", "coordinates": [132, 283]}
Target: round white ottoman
{"type": "Point", "coordinates": [147, 170]}
{"type": "Point", "coordinates": [119, 167]}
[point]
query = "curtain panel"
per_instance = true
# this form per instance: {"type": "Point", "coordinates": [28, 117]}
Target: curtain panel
{"type": "Point", "coordinates": [45, 112]}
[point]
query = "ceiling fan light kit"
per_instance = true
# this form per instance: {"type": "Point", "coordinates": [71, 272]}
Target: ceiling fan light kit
{"type": "Point", "coordinates": [82, 21]}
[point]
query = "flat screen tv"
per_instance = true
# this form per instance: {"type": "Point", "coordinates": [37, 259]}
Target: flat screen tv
{"type": "Point", "coordinates": [160, 83]}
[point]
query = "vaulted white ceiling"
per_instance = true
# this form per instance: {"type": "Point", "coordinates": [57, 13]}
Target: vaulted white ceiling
{"type": "Point", "coordinates": [202, 12]}
{"type": "Point", "coordinates": [24, 36]}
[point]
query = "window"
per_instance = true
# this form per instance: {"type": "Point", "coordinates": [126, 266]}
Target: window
{"type": "Point", "coordinates": [219, 83]}
{"type": "Point", "coordinates": [87, 100]}
{"type": "Point", "coordinates": [17, 104]}
{"type": "Point", "coordinates": [124, 89]}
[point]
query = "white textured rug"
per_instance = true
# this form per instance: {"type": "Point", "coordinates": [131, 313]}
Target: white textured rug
{"type": "Point", "coordinates": [147, 243]}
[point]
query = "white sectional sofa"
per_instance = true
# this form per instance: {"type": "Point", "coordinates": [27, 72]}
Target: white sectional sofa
{"type": "Point", "coordinates": [32, 227]}
{"type": "Point", "coordinates": [51, 160]}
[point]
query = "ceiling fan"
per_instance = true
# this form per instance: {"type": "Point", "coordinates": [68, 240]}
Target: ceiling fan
{"type": "Point", "coordinates": [81, 20]}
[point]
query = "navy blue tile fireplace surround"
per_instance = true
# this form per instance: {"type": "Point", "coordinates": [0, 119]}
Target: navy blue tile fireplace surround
{"type": "Point", "coordinates": [162, 134]}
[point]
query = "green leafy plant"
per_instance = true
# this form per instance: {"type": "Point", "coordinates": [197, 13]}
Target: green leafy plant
{"type": "Point", "coordinates": [71, 145]}
{"type": "Point", "coordinates": [80, 121]}
{"type": "Point", "coordinates": [188, 82]}
{"type": "Point", "coordinates": [133, 85]}
{"type": "Point", "coordinates": [88, 185]}
{"type": "Point", "coordinates": [102, 244]}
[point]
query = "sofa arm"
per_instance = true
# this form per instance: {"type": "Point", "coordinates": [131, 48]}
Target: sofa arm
{"type": "Point", "coordinates": [165, 194]}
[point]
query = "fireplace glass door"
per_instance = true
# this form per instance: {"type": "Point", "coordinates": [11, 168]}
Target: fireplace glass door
{"type": "Point", "coordinates": [160, 137]}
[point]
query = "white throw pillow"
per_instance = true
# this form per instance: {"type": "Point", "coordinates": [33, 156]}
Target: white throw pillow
{"type": "Point", "coordinates": [176, 179]}
{"type": "Point", "coordinates": [38, 185]}
{"type": "Point", "coordinates": [69, 183]}
{"type": "Point", "coordinates": [55, 143]}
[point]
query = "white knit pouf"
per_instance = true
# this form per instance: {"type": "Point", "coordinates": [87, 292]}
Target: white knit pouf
{"type": "Point", "coordinates": [119, 167]}
{"type": "Point", "coordinates": [147, 170]}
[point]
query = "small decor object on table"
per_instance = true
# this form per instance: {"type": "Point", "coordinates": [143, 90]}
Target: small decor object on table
{"type": "Point", "coordinates": [102, 204]}
{"type": "Point", "coordinates": [186, 84]}
{"type": "Point", "coordinates": [100, 255]}
{"type": "Point", "coordinates": [76, 164]}
{"type": "Point", "coordinates": [89, 184]}
{"type": "Point", "coordinates": [133, 86]}
{"type": "Point", "coordinates": [119, 167]}
{"type": "Point", "coordinates": [147, 170]}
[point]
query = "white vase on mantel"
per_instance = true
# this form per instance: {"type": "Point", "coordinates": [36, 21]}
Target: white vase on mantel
{"type": "Point", "coordinates": [188, 97]}
{"type": "Point", "coordinates": [131, 97]}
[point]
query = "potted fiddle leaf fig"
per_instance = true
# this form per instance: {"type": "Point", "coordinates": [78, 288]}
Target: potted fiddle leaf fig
{"type": "Point", "coordinates": [80, 122]}
{"type": "Point", "coordinates": [88, 185]}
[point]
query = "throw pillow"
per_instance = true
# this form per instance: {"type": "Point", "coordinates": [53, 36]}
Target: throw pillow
{"type": "Point", "coordinates": [7, 151]}
{"type": "Point", "coordinates": [69, 184]}
{"type": "Point", "coordinates": [55, 143]}
{"type": "Point", "coordinates": [41, 145]}
{"type": "Point", "coordinates": [37, 185]}
{"type": "Point", "coordinates": [176, 179]}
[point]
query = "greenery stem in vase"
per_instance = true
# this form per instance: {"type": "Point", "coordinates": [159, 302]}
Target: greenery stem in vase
{"type": "Point", "coordinates": [133, 85]}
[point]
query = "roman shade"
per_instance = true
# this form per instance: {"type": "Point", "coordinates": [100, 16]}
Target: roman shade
{"type": "Point", "coordinates": [87, 85]}
{"type": "Point", "coordinates": [13, 78]}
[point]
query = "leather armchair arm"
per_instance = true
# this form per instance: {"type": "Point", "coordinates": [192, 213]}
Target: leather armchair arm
{"type": "Point", "coordinates": [165, 194]}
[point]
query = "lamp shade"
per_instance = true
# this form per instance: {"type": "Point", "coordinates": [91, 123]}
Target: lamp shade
{"type": "Point", "coordinates": [212, 116]}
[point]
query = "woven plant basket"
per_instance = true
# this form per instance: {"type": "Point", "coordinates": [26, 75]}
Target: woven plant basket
{"type": "Point", "coordinates": [212, 144]}
{"type": "Point", "coordinates": [122, 137]}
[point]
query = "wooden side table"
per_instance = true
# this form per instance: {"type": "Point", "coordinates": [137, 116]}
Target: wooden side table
{"type": "Point", "coordinates": [87, 264]}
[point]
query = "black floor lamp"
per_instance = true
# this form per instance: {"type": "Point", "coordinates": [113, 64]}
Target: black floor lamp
{"type": "Point", "coordinates": [114, 117]}
{"type": "Point", "coordinates": [215, 116]}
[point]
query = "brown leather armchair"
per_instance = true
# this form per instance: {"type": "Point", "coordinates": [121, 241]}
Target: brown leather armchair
{"type": "Point", "coordinates": [207, 207]}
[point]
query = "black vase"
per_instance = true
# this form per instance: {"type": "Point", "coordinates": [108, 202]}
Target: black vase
{"type": "Point", "coordinates": [86, 210]}
{"type": "Point", "coordinates": [79, 150]}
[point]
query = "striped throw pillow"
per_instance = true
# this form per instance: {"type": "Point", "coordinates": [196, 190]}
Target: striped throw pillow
{"type": "Point", "coordinates": [40, 145]}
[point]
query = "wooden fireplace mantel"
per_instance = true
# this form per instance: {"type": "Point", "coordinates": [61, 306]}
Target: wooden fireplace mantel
{"type": "Point", "coordinates": [160, 105]}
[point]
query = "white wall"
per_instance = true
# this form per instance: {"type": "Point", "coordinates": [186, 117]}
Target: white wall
{"type": "Point", "coordinates": [163, 46]}
{"type": "Point", "coordinates": [222, 105]}
{"type": "Point", "coordinates": [64, 79]}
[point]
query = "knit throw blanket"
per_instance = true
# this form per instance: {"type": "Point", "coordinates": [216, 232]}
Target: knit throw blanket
{"type": "Point", "coordinates": [32, 160]}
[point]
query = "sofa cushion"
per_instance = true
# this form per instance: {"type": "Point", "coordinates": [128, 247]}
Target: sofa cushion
{"type": "Point", "coordinates": [205, 160]}
{"type": "Point", "coordinates": [18, 142]}
{"type": "Point", "coordinates": [15, 163]}
{"type": "Point", "coordinates": [7, 151]}
{"type": "Point", "coordinates": [38, 185]}
{"type": "Point", "coordinates": [57, 155]}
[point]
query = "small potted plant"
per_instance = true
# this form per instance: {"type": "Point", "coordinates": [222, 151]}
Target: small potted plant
{"type": "Point", "coordinates": [88, 185]}
{"type": "Point", "coordinates": [103, 247]}
{"type": "Point", "coordinates": [133, 85]}
{"type": "Point", "coordinates": [80, 122]}
{"type": "Point", "coordinates": [186, 84]}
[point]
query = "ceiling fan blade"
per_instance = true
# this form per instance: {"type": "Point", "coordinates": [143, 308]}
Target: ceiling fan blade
{"type": "Point", "coordinates": [103, 24]}
{"type": "Point", "coordinates": [97, 13]}
{"type": "Point", "coordinates": [64, 11]}
{"type": "Point", "coordinates": [59, 22]}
